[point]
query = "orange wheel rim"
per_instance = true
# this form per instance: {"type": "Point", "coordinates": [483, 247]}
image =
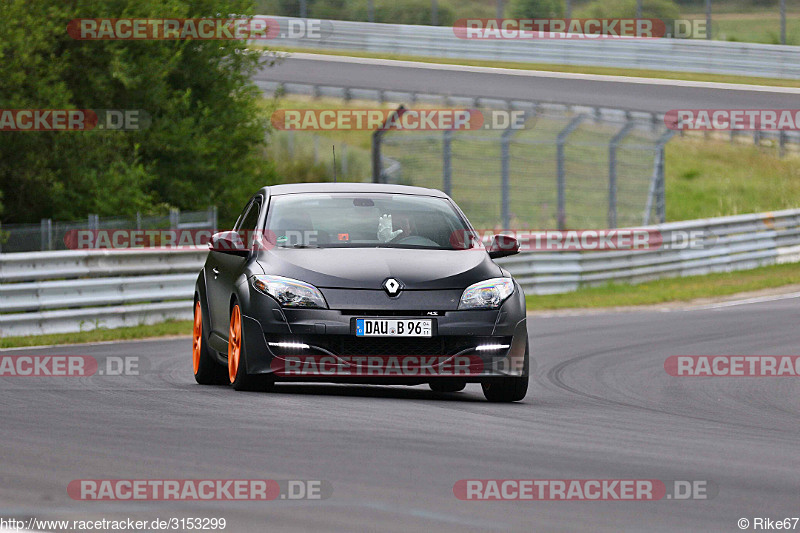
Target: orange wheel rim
{"type": "Point", "coordinates": [234, 343]}
{"type": "Point", "coordinates": [197, 336]}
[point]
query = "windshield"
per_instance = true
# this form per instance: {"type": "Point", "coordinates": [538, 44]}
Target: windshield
{"type": "Point", "coordinates": [363, 221]}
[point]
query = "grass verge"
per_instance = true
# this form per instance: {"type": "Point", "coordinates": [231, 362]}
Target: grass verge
{"type": "Point", "coordinates": [670, 290]}
{"type": "Point", "coordinates": [174, 327]}
{"type": "Point", "coordinates": [577, 69]}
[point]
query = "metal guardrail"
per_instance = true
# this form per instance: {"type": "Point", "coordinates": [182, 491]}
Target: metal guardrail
{"type": "Point", "coordinates": [724, 244]}
{"type": "Point", "coordinates": [682, 55]}
{"type": "Point", "coordinates": [56, 292]}
{"type": "Point", "coordinates": [66, 291]}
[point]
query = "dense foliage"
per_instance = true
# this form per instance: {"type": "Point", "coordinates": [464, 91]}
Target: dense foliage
{"type": "Point", "coordinates": [204, 146]}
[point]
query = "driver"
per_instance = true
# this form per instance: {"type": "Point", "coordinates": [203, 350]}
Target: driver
{"type": "Point", "coordinates": [386, 233]}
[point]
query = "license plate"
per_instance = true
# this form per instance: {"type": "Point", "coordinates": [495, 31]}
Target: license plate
{"type": "Point", "coordinates": [380, 327]}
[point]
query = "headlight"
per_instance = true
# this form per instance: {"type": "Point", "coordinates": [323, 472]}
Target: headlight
{"type": "Point", "coordinates": [290, 292]}
{"type": "Point", "coordinates": [487, 294]}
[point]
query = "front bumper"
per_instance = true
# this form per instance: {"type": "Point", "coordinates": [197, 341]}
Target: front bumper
{"type": "Point", "coordinates": [335, 354]}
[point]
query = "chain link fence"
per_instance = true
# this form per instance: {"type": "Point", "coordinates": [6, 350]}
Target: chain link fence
{"type": "Point", "coordinates": [49, 234]}
{"type": "Point", "coordinates": [563, 169]}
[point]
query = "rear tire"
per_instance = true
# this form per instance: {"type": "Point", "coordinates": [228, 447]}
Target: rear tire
{"type": "Point", "coordinates": [238, 377]}
{"type": "Point", "coordinates": [447, 385]}
{"type": "Point", "coordinates": [511, 389]}
{"type": "Point", "coordinates": [206, 370]}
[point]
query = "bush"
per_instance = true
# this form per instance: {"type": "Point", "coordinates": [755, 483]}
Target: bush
{"type": "Point", "coordinates": [658, 9]}
{"type": "Point", "coordinates": [540, 9]}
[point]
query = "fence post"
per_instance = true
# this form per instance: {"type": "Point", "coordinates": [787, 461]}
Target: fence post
{"type": "Point", "coordinates": [174, 218]}
{"type": "Point", "coordinates": [505, 171]}
{"type": "Point", "coordinates": [47, 234]}
{"type": "Point", "coordinates": [212, 217]}
{"type": "Point", "coordinates": [783, 21]}
{"type": "Point", "coordinates": [560, 169]}
{"type": "Point", "coordinates": [612, 172]}
{"type": "Point", "coordinates": [377, 137]}
{"type": "Point", "coordinates": [138, 220]}
{"type": "Point", "coordinates": [316, 149]}
{"type": "Point", "coordinates": [657, 187]}
{"type": "Point", "coordinates": [782, 143]}
{"type": "Point", "coordinates": [447, 185]}
{"type": "Point", "coordinates": [344, 160]}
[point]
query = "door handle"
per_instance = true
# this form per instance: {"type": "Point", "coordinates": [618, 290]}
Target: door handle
{"type": "Point", "coordinates": [216, 272]}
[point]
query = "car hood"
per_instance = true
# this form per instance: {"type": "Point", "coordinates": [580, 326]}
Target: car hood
{"type": "Point", "coordinates": [368, 268]}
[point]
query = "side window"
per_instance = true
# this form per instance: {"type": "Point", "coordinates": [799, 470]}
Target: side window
{"type": "Point", "coordinates": [248, 222]}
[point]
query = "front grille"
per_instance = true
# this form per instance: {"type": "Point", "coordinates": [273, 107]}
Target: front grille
{"type": "Point", "coordinates": [345, 345]}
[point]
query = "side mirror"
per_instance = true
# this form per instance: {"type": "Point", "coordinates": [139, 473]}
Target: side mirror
{"type": "Point", "coordinates": [228, 242]}
{"type": "Point", "coordinates": [503, 245]}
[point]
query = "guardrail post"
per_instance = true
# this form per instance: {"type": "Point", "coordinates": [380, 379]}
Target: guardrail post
{"type": "Point", "coordinates": [447, 137]}
{"type": "Point", "coordinates": [612, 172]}
{"type": "Point", "coordinates": [561, 170]}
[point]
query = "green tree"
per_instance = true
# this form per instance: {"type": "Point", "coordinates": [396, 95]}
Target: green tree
{"type": "Point", "coordinates": [206, 141]}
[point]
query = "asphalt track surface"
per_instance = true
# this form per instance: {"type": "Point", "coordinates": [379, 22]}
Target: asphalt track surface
{"type": "Point", "coordinates": [641, 94]}
{"type": "Point", "coordinates": [600, 406]}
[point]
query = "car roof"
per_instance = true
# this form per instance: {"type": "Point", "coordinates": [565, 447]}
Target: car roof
{"type": "Point", "coordinates": [349, 187]}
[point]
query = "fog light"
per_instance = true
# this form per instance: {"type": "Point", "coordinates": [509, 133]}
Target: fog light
{"type": "Point", "coordinates": [290, 345]}
{"type": "Point", "coordinates": [487, 347]}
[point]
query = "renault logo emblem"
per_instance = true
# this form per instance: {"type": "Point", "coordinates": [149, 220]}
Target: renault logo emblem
{"type": "Point", "coordinates": [391, 286]}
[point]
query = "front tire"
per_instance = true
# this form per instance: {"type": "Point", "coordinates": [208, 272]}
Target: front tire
{"type": "Point", "coordinates": [238, 377]}
{"type": "Point", "coordinates": [511, 389]}
{"type": "Point", "coordinates": [206, 370]}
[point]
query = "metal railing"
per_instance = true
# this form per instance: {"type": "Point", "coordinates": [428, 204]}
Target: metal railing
{"type": "Point", "coordinates": [681, 55]}
{"type": "Point", "coordinates": [66, 291]}
{"type": "Point", "coordinates": [55, 292]}
{"type": "Point", "coordinates": [723, 244]}
{"type": "Point", "coordinates": [50, 235]}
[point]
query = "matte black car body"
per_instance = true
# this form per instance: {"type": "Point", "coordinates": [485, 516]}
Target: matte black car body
{"type": "Point", "coordinates": [351, 282]}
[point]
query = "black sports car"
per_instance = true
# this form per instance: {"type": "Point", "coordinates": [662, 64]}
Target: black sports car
{"type": "Point", "coordinates": [359, 283]}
